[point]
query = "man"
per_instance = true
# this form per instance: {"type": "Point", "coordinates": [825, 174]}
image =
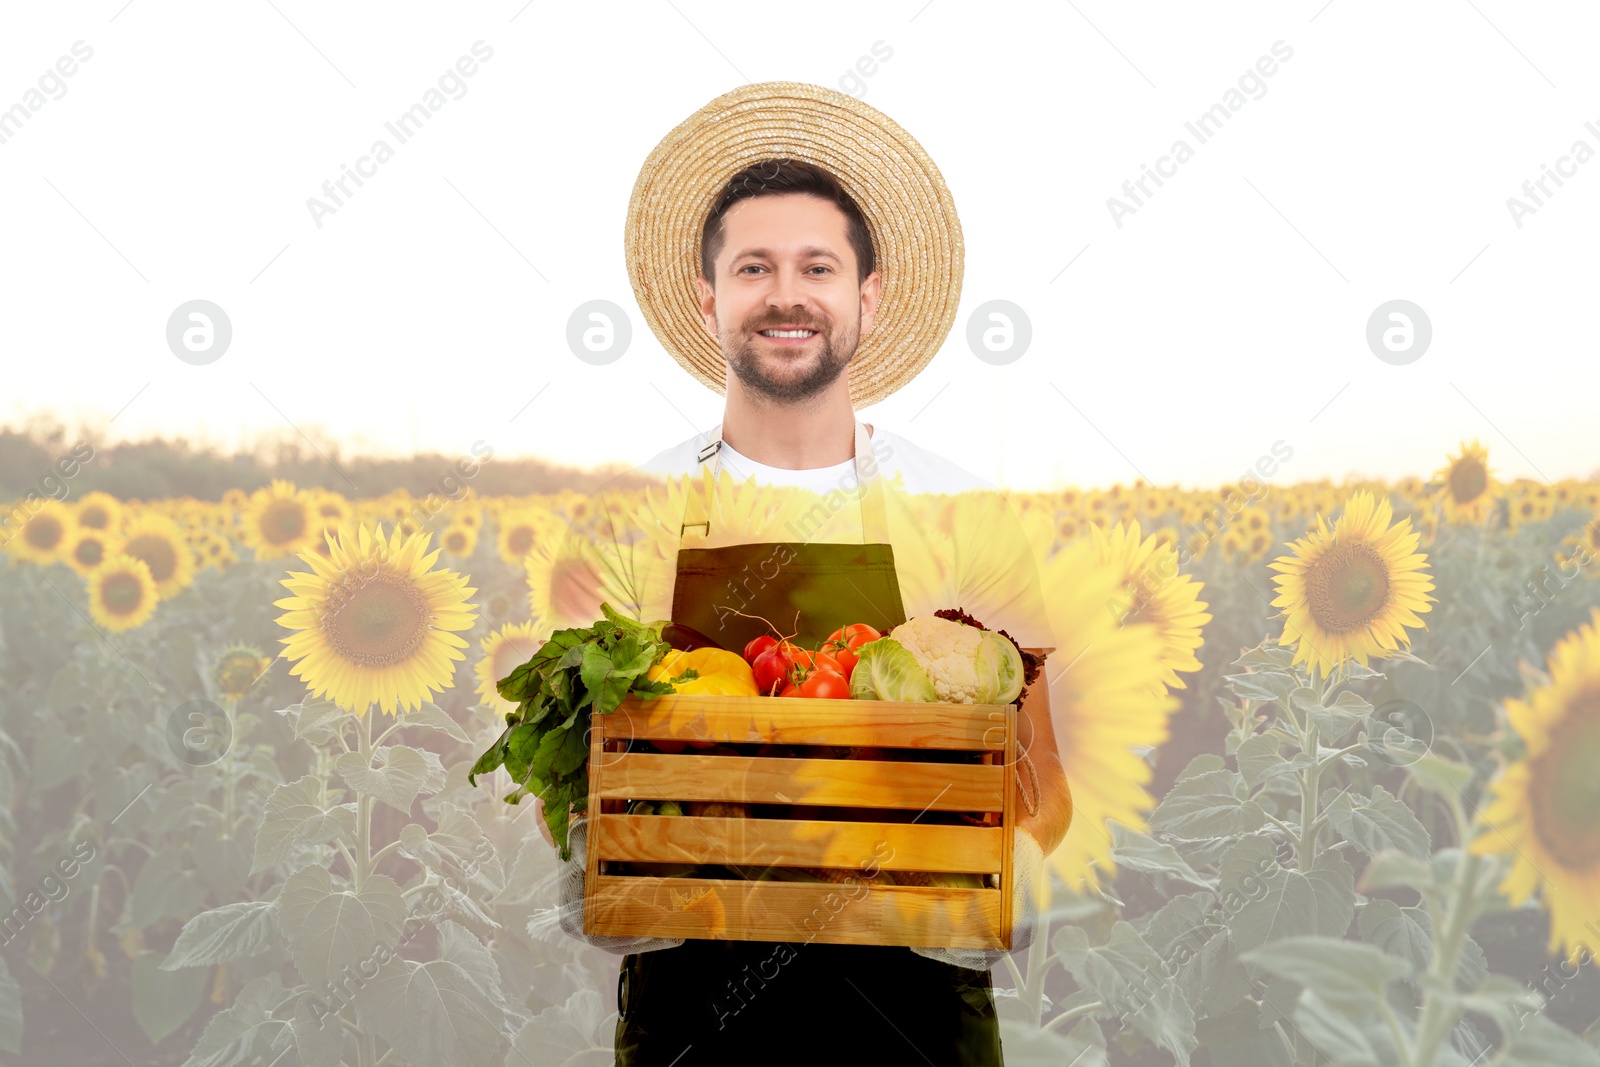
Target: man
{"type": "Point", "coordinates": [790, 293]}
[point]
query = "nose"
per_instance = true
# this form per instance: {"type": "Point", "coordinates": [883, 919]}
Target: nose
{"type": "Point", "coordinates": [786, 294]}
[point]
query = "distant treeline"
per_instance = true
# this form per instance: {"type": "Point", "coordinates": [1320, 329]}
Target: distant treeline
{"type": "Point", "coordinates": [53, 461]}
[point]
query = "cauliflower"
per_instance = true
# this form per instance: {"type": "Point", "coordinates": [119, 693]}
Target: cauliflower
{"type": "Point", "coordinates": [966, 665]}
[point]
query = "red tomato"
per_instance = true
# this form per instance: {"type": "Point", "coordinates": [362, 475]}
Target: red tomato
{"type": "Point", "coordinates": [818, 661]}
{"type": "Point", "coordinates": [791, 690]}
{"type": "Point", "coordinates": [826, 685]}
{"type": "Point", "coordinates": [772, 668]}
{"type": "Point", "coordinates": [844, 642]}
{"type": "Point", "coordinates": [757, 646]}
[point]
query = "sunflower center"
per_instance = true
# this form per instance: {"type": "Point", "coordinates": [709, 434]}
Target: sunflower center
{"type": "Point", "coordinates": [377, 622]}
{"type": "Point", "coordinates": [122, 594]}
{"type": "Point", "coordinates": [574, 590]}
{"type": "Point", "coordinates": [157, 553]}
{"type": "Point", "coordinates": [236, 673]}
{"type": "Point", "coordinates": [455, 541]}
{"type": "Point", "coordinates": [1347, 588]}
{"type": "Point", "coordinates": [1468, 480]}
{"type": "Point", "coordinates": [45, 532]}
{"type": "Point", "coordinates": [89, 552]}
{"type": "Point", "coordinates": [94, 516]}
{"type": "Point", "coordinates": [511, 655]}
{"type": "Point", "coordinates": [1565, 791]}
{"type": "Point", "coordinates": [520, 540]}
{"type": "Point", "coordinates": [283, 522]}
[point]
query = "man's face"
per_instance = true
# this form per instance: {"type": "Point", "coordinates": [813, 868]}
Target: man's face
{"type": "Point", "coordinates": [786, 264]}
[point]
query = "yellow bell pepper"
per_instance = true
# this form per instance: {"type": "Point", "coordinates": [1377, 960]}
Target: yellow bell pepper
{"type": "Point", "coordinates": [719, 670]}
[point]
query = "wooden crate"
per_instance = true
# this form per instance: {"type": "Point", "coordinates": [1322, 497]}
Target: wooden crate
{"type": "Point", "coordinates": [978, 741]}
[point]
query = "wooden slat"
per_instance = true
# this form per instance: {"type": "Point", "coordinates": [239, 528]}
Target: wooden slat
{"type": "Point", "coordinates": [810, 721]}
{"type": "Point", "coordinates": [798, 843]}
{"type": "Point", "coordinates": [764, 780]}
{"type": "Point", "coordinates": [591, 872]}
{"type": "Point", "coordinates": [1008, 830]}
{"type": "Point", "coordinates": [794, 911]}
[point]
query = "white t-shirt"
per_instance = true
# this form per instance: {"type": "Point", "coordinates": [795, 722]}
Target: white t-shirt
{"type": "Point", "coordinates": [976, 557]}
{"type": "Point", "coordinates": [922, 471]}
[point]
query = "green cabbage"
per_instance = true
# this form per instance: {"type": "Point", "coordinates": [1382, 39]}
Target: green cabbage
{"type": "Point", "coordinates": [999, 670]}
{"type": "Point", "coordinates": [886, 670]}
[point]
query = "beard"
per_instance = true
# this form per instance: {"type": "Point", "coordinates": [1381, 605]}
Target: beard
{"type": "Point", "coordinates": [765, 370]}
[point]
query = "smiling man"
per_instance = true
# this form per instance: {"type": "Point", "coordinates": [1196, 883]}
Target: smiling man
{"type": "Point", "coordinates": [799, 285]}
{"type": "Point", "coordinates": [819, 289]}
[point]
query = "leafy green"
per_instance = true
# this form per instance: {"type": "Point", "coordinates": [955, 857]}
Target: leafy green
{"type": "Point", "coordinates": [886, 670]}
{"type": "Point", "coordinates": [577, 672]}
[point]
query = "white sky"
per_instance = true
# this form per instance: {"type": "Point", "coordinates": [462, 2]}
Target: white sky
{"type": "Point", "coordinates": [1227, 314]}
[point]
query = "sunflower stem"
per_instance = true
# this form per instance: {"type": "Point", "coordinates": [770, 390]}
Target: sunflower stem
{"type": "Point", "coordinates": [228, 777]}
{"type": "Point", "coordinates": [1438, 1016]}
{"type": "Point", "coordinates": [364, 809]}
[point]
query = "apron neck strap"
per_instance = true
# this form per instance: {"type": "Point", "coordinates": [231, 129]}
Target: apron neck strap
{"type": "Point", "coordinates": [696, 526]}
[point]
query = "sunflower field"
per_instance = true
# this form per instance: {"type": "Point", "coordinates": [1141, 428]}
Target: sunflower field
{"type": "Point", "coordinates": [1334, 753]}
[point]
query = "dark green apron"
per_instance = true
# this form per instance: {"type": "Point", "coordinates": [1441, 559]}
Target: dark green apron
{"type": "Point", "coordinates": [763, 1002]}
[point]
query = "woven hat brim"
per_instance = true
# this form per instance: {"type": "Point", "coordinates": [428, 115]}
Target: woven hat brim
{"type": "Point", "coordinates": [916, 233]}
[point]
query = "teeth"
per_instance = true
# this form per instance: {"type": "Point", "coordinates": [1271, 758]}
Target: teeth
{"type": "Point", "coordinates": [788, 333]}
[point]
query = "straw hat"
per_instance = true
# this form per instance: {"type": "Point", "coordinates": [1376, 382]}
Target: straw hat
{"type": "Point", "coordinates": [910, 214]}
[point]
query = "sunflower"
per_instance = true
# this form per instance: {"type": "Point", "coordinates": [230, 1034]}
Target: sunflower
{"type": "Point", "coordinates": [504, 650]}
{"type": "Point", "coordinates": [99, 511]}
{"type": "Point", "coordinates": [237, 669]}
{"type": "Point", "coordinates": [220, 554]}
{"type": "Point", "coordinates": [1069, 526]}
{"type": "Point", "coordinates": [122, 594]}
{"type": "Point", "coordinates": [329, 508]}
{"type": "Point", "coordinates": [1544, 805]}
{"type": "Point", "coordinates": [279, 520]}
{"type": "Point", "coordinates": [1350, 592]}
{"type": "Point", "coordinates": [570, 574]}
{"type": "Point", "coordinates": [1254, 520]}
{"type": "Point", "coordinates": [1104, 706]}
{"type": "Point", "coordinates": [1152, 591]}
{"type": "Point", "coordinates": [45, 535]}
{"type": "Point", "coordinates": [88, 547]}
{"type": "Point", "coordinates": [520, 530]}
{"type": "Point", "coordinates": [159, 541]}
{"type": "Point", "coordinates": [234, 498]}
{"type": "Point", "coordinates": [1469, 488]}
{"type": "Point", "coordinates": [458, 540]}
{"type": "Point", "coordinates": [1527, 505]}
{"type": "Point", "coordinates": [372, 625]}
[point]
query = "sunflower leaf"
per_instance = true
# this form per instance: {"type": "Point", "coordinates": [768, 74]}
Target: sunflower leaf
{"type": "Point", "coordinates": [1406, 933]}
{"type": "Point", "coordinates": [1263, 686]}
{"type": "Point", "coordinates": [1378, 823]}
{"type": "Point", "coordinates": [1134, 984]}
{"type": "Point", "coordinates": [1439, 775]}
{"type": "Point", "coordinates": [1344, 972]}
{"type": "Point", "coordinates": [433, 717]}
{"type": "Point", "coordinates": [1260, 757]}
{"type": "Point", "coordinates": [1211, 804]}
{"type": "Point", "coordinates": [315, 721]}
{"type": "Point", "coordinates": [1333, 720]}
{"type": "Point", "coordinates": [1392, 868]}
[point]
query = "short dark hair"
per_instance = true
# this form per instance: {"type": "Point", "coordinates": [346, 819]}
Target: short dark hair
{"type": "Point", "coordinates": [772, 177]}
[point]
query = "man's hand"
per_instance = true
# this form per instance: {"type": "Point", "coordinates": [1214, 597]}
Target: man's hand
{"type": "Point", "coordinates": [1036, 736]}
